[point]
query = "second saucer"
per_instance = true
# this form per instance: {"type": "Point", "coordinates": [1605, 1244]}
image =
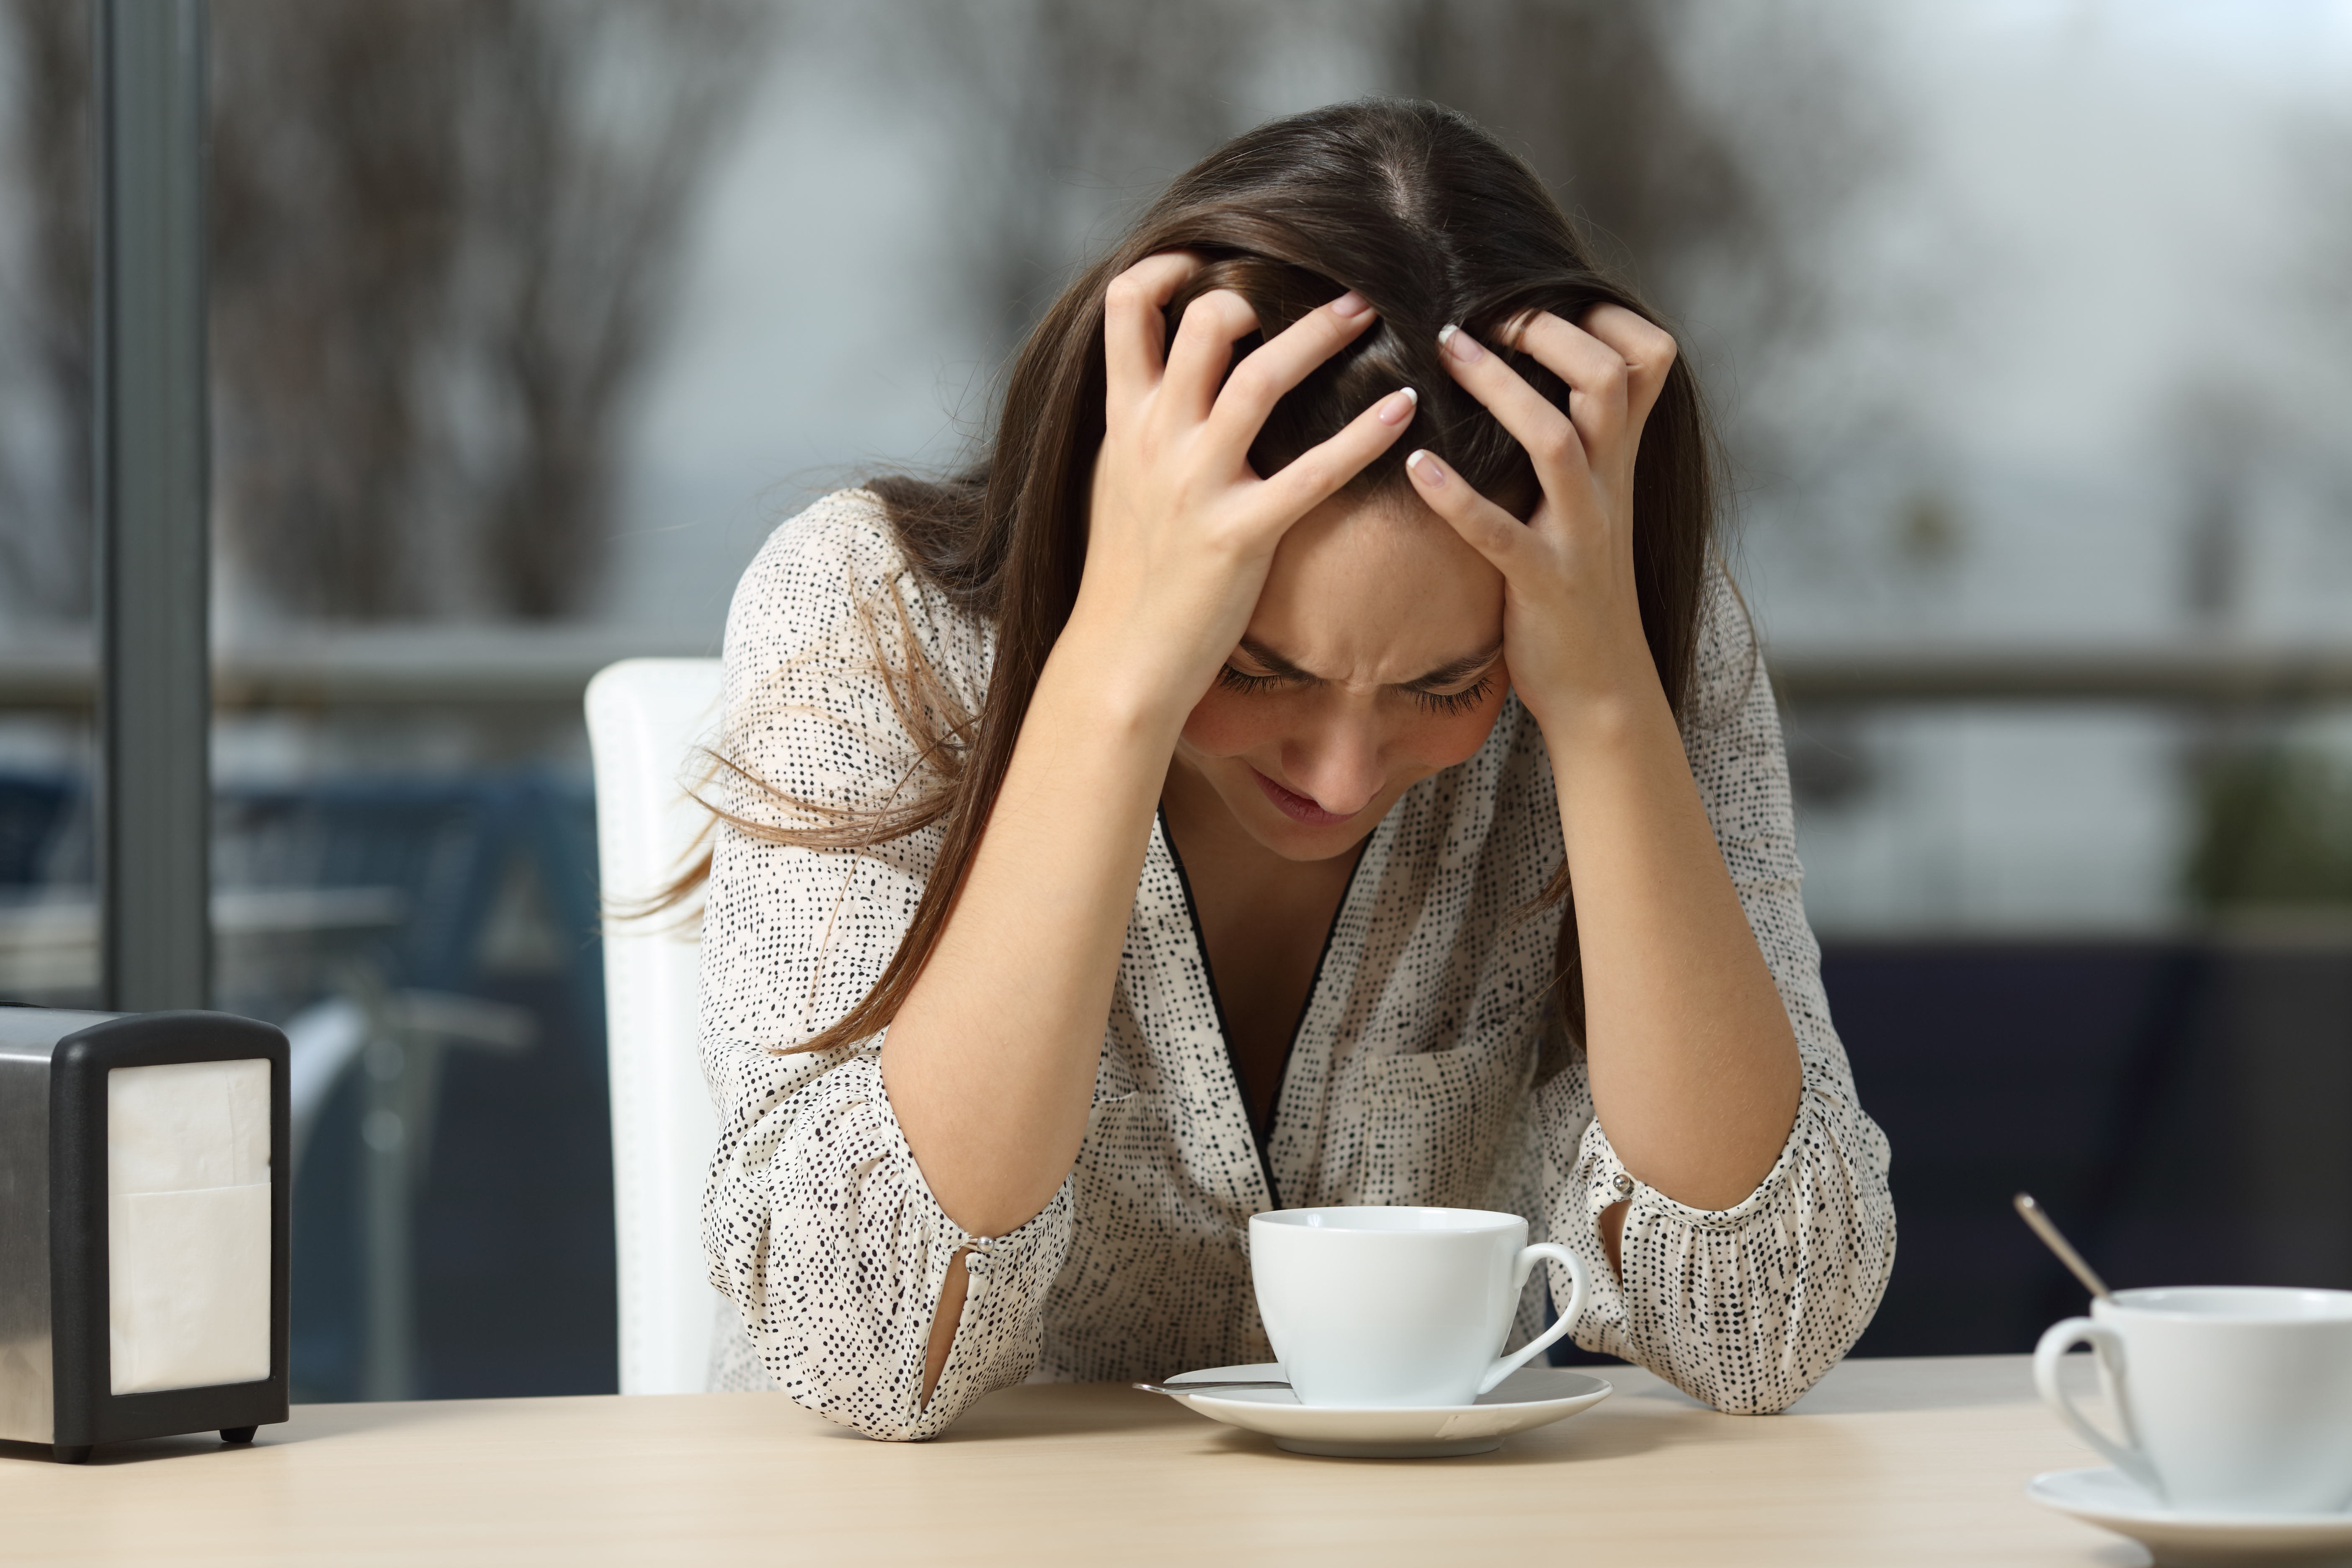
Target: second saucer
{"type": "Point", "coordinates": [2178, 1538]}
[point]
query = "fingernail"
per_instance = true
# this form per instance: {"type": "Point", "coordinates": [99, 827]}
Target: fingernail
{"type": "Point", "coordinates": [1398, 406]}
{"type": "Point", "coordinates": [1426, 468]}
{"type": "Point", "coordinates": [1461, 345]}
{"type": "Point", "coordinates": [1350, 305]}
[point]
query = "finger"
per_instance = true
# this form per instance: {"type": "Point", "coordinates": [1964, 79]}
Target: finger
{"type": "Point", "coordinates": [1279, 364]}
{"type": "Point", "coordinates": [1598, 380]}
{"type": "Point", "coordinates": [1647, 348]}
{"type": "Point", "coordinates": [1202, 349]}
{"type": "Point", "coordinates": [1135, 325]}
{"type": "Point", "coordinates": [1533, 419]}
{"type": "Point", "coordinates": [1315, 475]}
{"type": "Point", "coordinates": [1486, 527]}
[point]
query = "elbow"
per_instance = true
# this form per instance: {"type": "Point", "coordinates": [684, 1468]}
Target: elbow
{"type": "Point", "coordinates": [1761, 1405]}
{"type": "Point", "coordinates": [883, 1415]}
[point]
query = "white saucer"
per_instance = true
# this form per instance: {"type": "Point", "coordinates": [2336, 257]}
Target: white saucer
{"type": "Point", "coordinates": [1531, 1396]}
{"type": "Point", "coordinates": [2182, 1539]}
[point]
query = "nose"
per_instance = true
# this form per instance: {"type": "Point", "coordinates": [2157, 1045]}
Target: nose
{"type": "Point", "coordinates": [1336, 761]}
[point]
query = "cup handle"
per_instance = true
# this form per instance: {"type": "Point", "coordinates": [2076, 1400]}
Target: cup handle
{"type": "Point", "coordinates": [1528, 1260]}
{"type": "Point", "coordinates": [2057, 1342]}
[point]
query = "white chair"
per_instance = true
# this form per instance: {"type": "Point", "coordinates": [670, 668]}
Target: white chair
{"type": "Point", "coordinates": [645, 717]}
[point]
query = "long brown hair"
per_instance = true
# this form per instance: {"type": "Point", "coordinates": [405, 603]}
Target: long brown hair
{"type": "Point", "coordinates": [1426, 216]}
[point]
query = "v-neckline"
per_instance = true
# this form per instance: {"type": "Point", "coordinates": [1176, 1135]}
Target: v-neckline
{"type": "Point", "coordinates": [1262, 1135]}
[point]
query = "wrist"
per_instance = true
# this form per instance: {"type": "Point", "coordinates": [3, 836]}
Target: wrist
{"type": "Point", "coordinates": [1115, 685]}
{"type": "Point", "coordinates": [1600, 696]}
{"type": "Point", "coordinates": [1600, 726]}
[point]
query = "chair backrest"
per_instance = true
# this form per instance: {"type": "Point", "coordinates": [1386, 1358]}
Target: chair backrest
{"type": "Point", "coordinates": [645, 717]}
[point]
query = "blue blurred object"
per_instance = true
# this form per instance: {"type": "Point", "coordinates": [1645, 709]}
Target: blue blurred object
{"type": "Point", "coordinates": [439, 842]}
{"type": "Point", "coordinates": [503, 1157]}
{"type": "Point", "coordinates": [2179, 1102]}
{"type": "Point", "coordinates": [33, 812]}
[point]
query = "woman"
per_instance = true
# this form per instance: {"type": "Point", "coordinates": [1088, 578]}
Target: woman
{"type": "Point", "coordinates": [1177, 818]}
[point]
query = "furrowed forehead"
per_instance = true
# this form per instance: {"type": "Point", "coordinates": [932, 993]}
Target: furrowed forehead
{"type": "Point", "coordinates": [1378, 592]}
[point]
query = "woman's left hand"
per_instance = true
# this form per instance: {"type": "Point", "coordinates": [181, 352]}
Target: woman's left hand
{"type": "Point", "coordinates": [1571, 618]}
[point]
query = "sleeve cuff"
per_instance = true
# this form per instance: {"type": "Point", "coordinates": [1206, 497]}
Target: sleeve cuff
{"type": "Point", "coordinates": [842, 1283]}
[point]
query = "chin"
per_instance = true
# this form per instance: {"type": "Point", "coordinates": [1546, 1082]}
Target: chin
{"type": "Point", "coordinates": [1295, 840]}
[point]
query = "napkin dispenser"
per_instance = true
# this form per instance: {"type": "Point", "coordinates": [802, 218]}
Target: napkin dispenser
{"type": "Point", "coordinates": [145, 1183]}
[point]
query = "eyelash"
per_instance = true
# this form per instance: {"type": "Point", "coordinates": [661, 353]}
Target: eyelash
{"type": "Point", "coordinates": [1460, 702]}
{"type": "Point", "coordinates": [1232, 679]}
{"type": "Point", "coordinates": [1448, 706]}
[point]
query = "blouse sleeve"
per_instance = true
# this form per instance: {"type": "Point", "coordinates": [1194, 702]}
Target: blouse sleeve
{"type": "Point", "coordinates": [816, 1221]}
{"type": "Point", "coordinates": [1743, 1307]}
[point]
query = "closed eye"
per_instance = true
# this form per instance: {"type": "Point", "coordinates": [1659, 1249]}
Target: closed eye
{"type": "Point", "coordinates": [1232, 679]}
{"type": "Point", "coordinates": [1450, 704]}
{"type": "Point", "coordinates": [1447, 704]}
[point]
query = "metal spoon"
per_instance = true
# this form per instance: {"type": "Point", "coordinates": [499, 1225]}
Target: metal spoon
{"type": "Point", "coordinates": [2031, 1213]}
{"type": "Point", "coordinates": [1179, 1390]}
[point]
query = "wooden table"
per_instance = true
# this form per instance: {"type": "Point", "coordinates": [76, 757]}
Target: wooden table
{"type": "Point", "coordinates": [1886, 1462]}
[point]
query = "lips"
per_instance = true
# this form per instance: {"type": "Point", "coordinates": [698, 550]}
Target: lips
{"type": "Point", "coordinates": [1297, 807]}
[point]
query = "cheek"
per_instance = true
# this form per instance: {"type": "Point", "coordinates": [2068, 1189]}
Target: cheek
{"type": "Point", "coordinates": [1439, 741]}
{"type": "Point", "coordinates": [1226, 723]}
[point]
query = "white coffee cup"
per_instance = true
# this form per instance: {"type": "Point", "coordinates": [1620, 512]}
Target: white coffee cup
{"type": "Point", "coordinates": [2233, 1399]}
{"type": "Point", "coordinates": [1377, 1308]}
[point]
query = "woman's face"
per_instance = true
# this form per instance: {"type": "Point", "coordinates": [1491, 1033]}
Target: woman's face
{"type": "Point", "coordinates": [1374, 658]}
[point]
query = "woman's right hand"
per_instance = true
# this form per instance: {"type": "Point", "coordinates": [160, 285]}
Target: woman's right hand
{"type": "Point", "coordinates": [1180, 529]}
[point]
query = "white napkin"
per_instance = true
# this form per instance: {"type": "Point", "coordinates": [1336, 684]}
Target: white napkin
{"type": "Point", "coordinates": [187, 1171]}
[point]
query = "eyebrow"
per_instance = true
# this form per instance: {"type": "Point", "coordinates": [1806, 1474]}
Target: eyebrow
{"type": "Point", "coordinates": [1443, 675]}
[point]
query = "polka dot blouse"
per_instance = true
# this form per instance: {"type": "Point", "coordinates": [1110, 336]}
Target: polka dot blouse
{"type": "Point", "coordinates": [1425, 1070]}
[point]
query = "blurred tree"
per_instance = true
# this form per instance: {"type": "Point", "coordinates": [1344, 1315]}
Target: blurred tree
{"type": "Point", "coordinates": [2317, 388]}
{"type": "Point", "coordinates": [337, 190]}
{"type": "Point", "coordinates": [1073, 107]}
{"type": "Point", "coordinates": [1644, 118]}
{"type": "Point", "coordinates": [2274, 831]}
{"type": "Point", "coordinates": [1708, 150]}
{"type": "Point", "coordinates": [2218, 438]}
{"type": "Point", "coordinates": [45, 457]}
{"type": "Point", "coordinates": [444, 234]}
{"type": "Point", "coordinates": [1588, 92]}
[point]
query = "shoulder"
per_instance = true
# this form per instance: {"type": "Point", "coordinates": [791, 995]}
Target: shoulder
{"type": "Point", "coordinates": [1727, 665]}
{"type": "Point", "coordinates": [844, 667]}
{"type": "Point", "coordinates": [833, 588]}
{"type": "Point", "coordinates": [815, 568]}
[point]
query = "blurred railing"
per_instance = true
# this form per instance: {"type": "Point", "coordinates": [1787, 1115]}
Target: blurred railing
{"type": "Point", "coordinates": [434, 667]}
{"type": "Point", "coordinates": [2171, 672]}
{"type": "Point", "coordinates": [490, 667]}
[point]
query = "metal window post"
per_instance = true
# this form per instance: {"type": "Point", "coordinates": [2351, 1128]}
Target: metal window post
{"type": "Point", "coordinates": [152, 445]}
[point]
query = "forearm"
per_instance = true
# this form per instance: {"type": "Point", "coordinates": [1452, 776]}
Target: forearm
{"type": "Point", "coordinates": [990, 1062]}
{"type": "Point", "coordinates": [1694, 1063]}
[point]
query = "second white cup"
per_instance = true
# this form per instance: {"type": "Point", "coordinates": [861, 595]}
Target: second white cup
{"type": "Point", "coordinates": [1378, 1307]}
{"type": "Point", "coordinates": [2233, 1399]}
